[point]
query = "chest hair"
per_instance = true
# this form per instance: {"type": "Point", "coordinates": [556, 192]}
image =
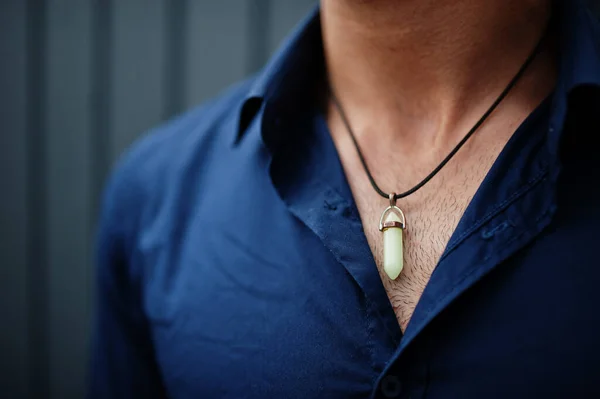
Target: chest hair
{"type": "Point", "coordinates": [432, 214]}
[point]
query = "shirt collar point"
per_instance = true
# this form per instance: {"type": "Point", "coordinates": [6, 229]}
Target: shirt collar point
{"type": "Point", "coordinates": [269, 81]}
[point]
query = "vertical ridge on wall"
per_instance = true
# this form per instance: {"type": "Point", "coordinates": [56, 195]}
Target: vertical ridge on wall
{"type": "Point", "coordinates": [258, 35]}
{"type": "Point", "coordinates": [101, 75]}
{"type": "Point", "coordinates": [67, 130]}
{"type": "Point", "coordinates": [176, 42]}
{"type": "Point", "coordinates": [137, 95]}
{"type": "Point", "coordinates": [217, 50]}
{"type": "Point", "coordinates": [36, 203]}
{"type": "Point", "coordinates": [14, 172]}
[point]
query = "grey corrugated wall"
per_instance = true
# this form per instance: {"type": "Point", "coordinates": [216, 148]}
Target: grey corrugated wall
{"type": "Point", "coordinates": [79, 81]}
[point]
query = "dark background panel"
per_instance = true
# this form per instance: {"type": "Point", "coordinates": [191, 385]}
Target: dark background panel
{"type": "Point", "coordinates": [137, 93]}
{"type": "Point", "coordinates": [217, 50]}
{"type": "Point", "coordinates": [14, 226]}
{"type": "Point", "coordinates": [67, 162]}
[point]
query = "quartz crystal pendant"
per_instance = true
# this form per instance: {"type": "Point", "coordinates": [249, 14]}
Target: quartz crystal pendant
{"type": "Point", "coordinates": [392, 224]}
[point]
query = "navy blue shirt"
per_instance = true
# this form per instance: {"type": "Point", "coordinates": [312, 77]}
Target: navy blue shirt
{"type": "Point", "coordinates": [233, 264]}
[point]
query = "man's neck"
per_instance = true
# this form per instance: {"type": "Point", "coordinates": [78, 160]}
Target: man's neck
{"type": "Point", "coordinates": [424, 65]}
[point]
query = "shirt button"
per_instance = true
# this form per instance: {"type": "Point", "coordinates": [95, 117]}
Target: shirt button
{"type": "Point", "coordinates": [391, 387]}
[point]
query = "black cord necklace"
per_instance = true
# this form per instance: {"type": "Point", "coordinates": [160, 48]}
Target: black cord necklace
{"type": "Point", "coordinates": [392, 221]}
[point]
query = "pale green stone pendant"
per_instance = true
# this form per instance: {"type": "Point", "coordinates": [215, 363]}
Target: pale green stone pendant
{"type": "Point", "coordinates": [392, 223]}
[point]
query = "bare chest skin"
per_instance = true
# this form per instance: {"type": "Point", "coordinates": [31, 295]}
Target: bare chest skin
{"type": "Point", "coordinates": [432, 213]}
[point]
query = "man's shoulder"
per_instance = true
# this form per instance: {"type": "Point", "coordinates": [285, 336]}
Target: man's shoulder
{"type": "Point", "coordinates": [145, 172]}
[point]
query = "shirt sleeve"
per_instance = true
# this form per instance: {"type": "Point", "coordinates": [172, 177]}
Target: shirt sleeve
{"type": "Point", "coordinates": [122, 359]}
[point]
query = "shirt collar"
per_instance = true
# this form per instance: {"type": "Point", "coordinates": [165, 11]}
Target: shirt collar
{"type": "Point", "coordinates": [579, 46]}
{"type": "Point", "coordinates": [579, 61]}
{"type": "Point", "coordinates": [288, 76]}
{"type": "Point", "coordinates": [297, 66]}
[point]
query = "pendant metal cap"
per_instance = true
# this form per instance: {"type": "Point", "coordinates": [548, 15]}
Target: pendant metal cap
{"type": "Point", "coordinates": [392, 208]}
